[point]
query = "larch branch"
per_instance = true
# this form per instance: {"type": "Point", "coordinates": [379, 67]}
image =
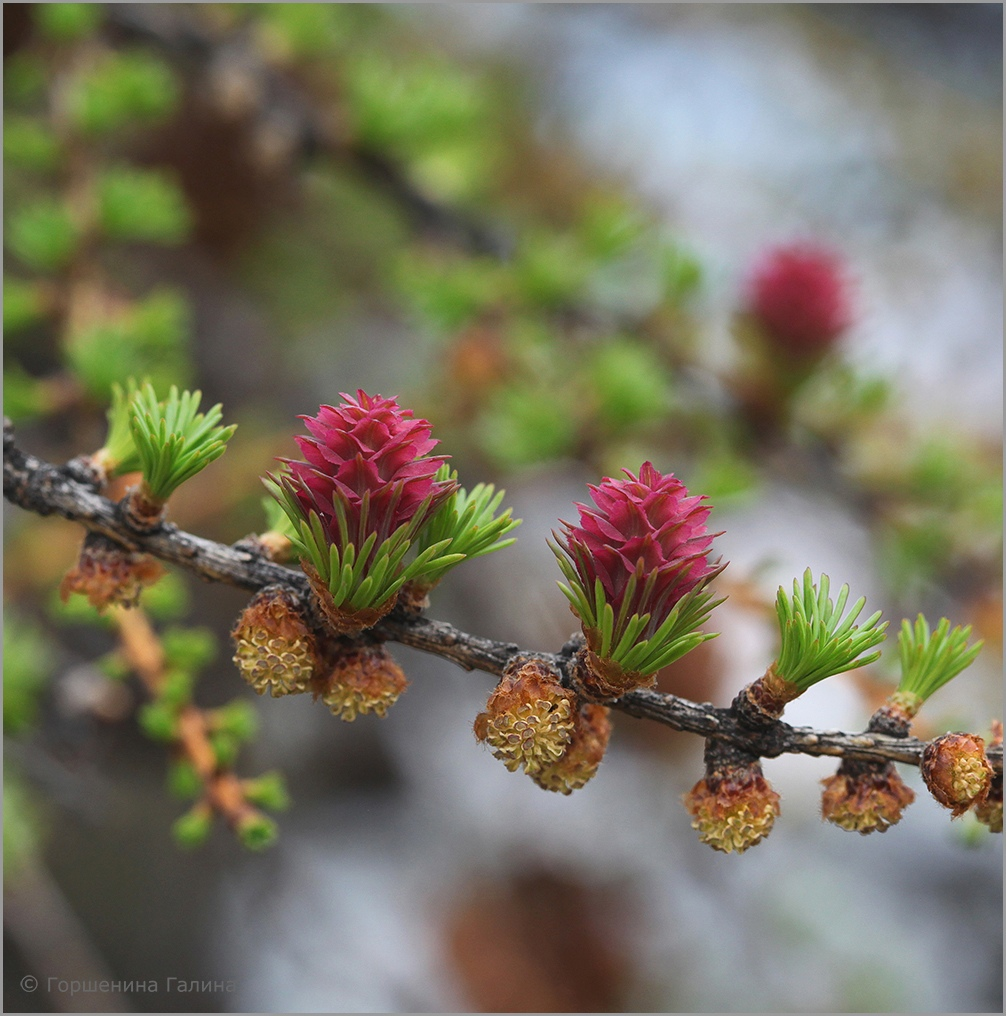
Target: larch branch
{"type": "Point", "coordinates": [69, 491]}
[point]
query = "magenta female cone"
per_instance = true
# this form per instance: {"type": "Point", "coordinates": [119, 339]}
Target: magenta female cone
{"type": "Point", "coordinates": [799, 296]}
{"type": "Point", "coordinates": [645, 541]}
{"type": "Point", "coordinates": [367, 449]}
{"type": "Point", "coordinates": [367, 472]}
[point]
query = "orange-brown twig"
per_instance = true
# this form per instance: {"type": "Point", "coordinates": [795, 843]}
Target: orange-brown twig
{"type": "Point", "coordinates": [142, 650]}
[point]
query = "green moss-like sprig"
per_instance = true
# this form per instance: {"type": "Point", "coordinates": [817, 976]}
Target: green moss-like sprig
{"type": "Point", "coordinates": [119, 454]}
{"type": "Point", "coordinates": [817, 640]}
{"type": "Point", "coordinates": [930, 659]}
{"type": "Point", "coordinates": [468, 521]}
{"type": "Point", "coordinates": [174, 441]}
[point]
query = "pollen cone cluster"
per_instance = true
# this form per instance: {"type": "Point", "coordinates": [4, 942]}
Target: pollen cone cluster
{"type": "Point", "coordinates": [532, 723]}
{"type": "Point", "coordinates": [583, 755]}
{"type": "Point", "coordinates": [957, 772]}
{"type": "Point", "coordinates": [733, 807]}
{"type": "Point", "coordinates": [528, 722]}
{"type": "Point", "coordinates": [361, 680]}
{"type": "Point", "coordinates": [990, 811]}
{"type": "Point", "coordinates": [106, 573]}
{"type": "Point", "coordinates": [864, 797]}
{"type": "Point", "coordinates": [275, 650]}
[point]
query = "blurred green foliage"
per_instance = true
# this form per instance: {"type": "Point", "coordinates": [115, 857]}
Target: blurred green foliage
{"type": "Point", "coordinates": [237, 720]}
{"type": "Point", "coordinates": [183, 781]}
{"type": "Point", "coordinates": [23, 304]}
{"type": "Point", "coordinates": [631, 384]}
{"type": "Point", "coordinates": [550, 270]}
{"type": "Point", "coordinates": [301, 31]}
{"type": "Point", "coordinates": [189, 648]}
{"type": "Point", "coordinates": [268, 791]}
{"type": "Point", "coordinates": [258, 832]}
{"type": "Point", "coordinates": [25, 80]}
{"type": "Point", "coordinates": [28, 665]}
{"type": "Point", "coordinates": [30, 144]}
{"type": "Point", "coordinates": [528, 423]}
{"type": "Point", "coordinates": [335, 253]}
{"type": "Point", "coordinates": [176, 688]}
{"type": "Point", "coordinates": [158, 721]}
{"type": "Point", "coordinates": [42, 235]}
{"type": "Point", "coordinates": [147, 339]}
{"type": "Point", "coordinates": [121, 90]}
{"type": "Point", "coordinates": [429, 113]}
{"type": "Point", "coordinates": [62, 210]}
{"type": "Point", "coordinates": [75, 609]}
{"type": "Point", "coordinates": [141, 204]}
{"type": "Point", "coordinates": [23, 396]}
{"type": "Point", "coordinates": [68, 22]}
{"type": "Point", "coordinates": [193, 828]}
{"type": "Point", "coordinates": [168, 600]}
{"type": "Point", "coordinates": [450, 293]}
{"type": "Point", "coordinates": [22, 826]}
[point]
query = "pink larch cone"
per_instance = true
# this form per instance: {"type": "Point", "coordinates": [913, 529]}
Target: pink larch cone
{"type": "Point", "coordinates": [800, 297]}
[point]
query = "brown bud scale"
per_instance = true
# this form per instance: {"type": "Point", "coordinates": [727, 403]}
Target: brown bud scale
{"type": "Point", "coordinates": [899, 710]}
{"type": "Point", "coordinates": [106, 573]}
{"type": "Point", "coordinates": [894, 717]}
{"type": "Point", "coordinates": [761, 703]}
{"type": "Point", "coordinates": [344, 620]}
{"type": "Point", "coordinates": [413, 598]}
{"type": "Point", "coordinates": [141, 510]}
{"type": "Point", "coordinates": [600, 680]}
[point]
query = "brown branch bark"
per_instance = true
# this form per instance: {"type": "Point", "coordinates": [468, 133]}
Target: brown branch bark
{"type": "Point", "coordinates": [70, 491]}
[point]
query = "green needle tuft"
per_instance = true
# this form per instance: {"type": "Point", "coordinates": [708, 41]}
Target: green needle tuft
{"type": "Point", "coordinates": [817, 641]}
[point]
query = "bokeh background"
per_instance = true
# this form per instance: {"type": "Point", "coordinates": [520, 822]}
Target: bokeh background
{"type": "Point", "coordinates": [535, 225]}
